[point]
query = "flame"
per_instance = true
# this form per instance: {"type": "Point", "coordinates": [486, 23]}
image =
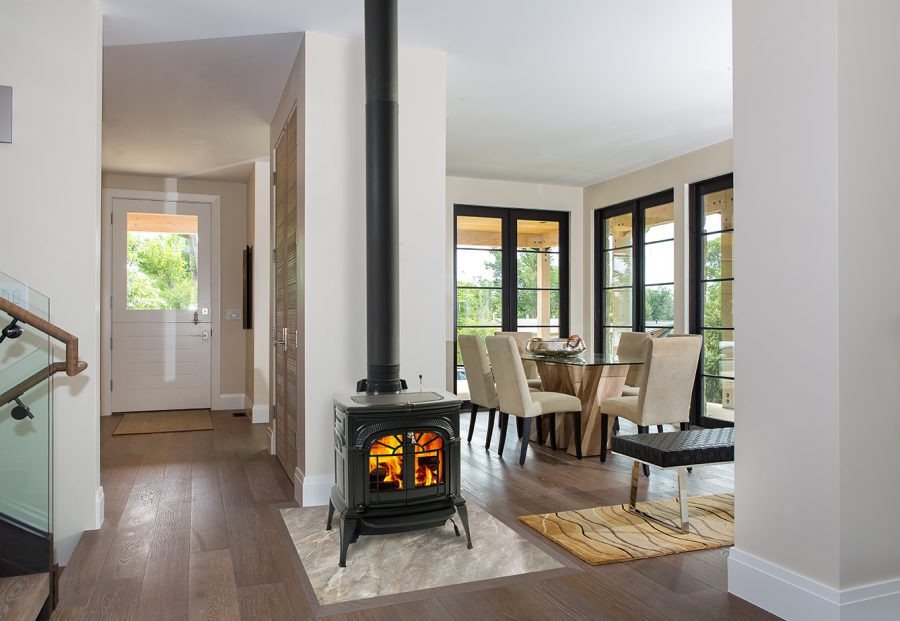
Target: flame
{"type": "Point", "coordinates": [386, 461]}
{"type": "Point", "coordinates": [392, 464]}
{"type": "Point", "coordinates": [428, 454]}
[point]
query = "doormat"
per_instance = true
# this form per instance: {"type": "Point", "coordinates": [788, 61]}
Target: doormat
{"type": "Point", "coordinates": [164, 422]}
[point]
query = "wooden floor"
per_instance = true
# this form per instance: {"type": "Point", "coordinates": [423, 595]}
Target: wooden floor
{"type": "Point", "coordinates": [190, 534]}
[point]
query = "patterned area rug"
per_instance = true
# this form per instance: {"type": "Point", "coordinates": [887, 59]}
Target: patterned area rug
{"type": "Point", "coordinates": [164, 422]}
{"type": "Point", "coordinates": [612, 534]}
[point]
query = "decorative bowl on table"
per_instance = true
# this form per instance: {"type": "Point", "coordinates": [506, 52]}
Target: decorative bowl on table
{"type": "Point", "coordinates": [555, 348]}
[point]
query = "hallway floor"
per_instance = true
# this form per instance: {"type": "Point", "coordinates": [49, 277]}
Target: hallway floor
{"type": "Point", "coordinates": [192, 532]}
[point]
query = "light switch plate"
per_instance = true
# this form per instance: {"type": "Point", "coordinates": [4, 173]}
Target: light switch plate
{"type": "Point", "coordinates": [5, 113]}
{"type": "Point", "coordinates": [233, 314]}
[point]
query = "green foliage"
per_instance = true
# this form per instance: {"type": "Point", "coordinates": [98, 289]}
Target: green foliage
{"type": "Point", "coordinates": [659, 306]}
{"type": "Point", "coordinates": [162, 271]}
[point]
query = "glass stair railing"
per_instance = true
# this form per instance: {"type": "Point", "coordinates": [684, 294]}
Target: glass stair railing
{"type": "Point", "coordinates": [26, 431]}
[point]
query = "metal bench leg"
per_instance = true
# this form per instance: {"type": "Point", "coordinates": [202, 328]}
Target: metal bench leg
{"type": "Point", "coordinates": [635, 477]}
{"type": "Point", "coordinates": [683, 499]}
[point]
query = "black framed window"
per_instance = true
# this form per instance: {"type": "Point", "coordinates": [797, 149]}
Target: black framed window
{"type": "Point", "coordinates": [634, 268]}
{"type": "Point", "coordinates": [712, 297]}
{"type": "Point", "coordinates": [512, 273]}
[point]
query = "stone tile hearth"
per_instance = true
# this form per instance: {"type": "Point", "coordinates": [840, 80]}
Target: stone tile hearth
{"type": "Point", "coordinates": [392, 564]}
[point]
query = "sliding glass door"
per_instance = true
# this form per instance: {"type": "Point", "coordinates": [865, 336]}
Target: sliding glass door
{"type": "Point", "coordinates": [511, 268]}
{"type": "Point", "coordinates": [712, 298]}
{"type": "Point", "coordinates": [635, 268]}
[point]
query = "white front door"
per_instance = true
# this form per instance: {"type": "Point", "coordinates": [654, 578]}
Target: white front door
{"type": "Point", "coordinates": [161, 328]}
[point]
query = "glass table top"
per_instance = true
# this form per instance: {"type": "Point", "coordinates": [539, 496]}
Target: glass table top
{"type": "Point", "coordinates": [584, 359]}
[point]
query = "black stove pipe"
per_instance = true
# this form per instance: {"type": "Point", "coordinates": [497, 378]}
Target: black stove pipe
{"type": "Point", "coordinates": [382, 199]}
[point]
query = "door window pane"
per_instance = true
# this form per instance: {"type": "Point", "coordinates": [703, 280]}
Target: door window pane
{"type": "Point", "coordinates": [718, 352]}
{"type": "Point", "coordinates": [659, 306]}
{"type": "Point", "coordinates": [718, 255]}
{"type": "Point", "coordinates": [659, 223]}
{"type": "Point", "coordinates": [537, 270]}
{"type": "Point", "coordinates": [618, 307]}
{"type": "Point", "coordinates": [659, 263]}
{"type": "Point", "coordinates": [618, 268]}
{"type": "Point", "coordinates": [479, 307]}
{"type": "Point", "coordinates": [617, 231]}
{"type": "Point", "coordinates": [540, 235]}
{"type": "Point", "coordinates": [718, 304]}
{"type": "Point", "coordinates": [537, 308]}
{"type": "Point", "coordinates": [161, 270]}
{"type": "Point", "coordinates": [479, 232]}
{"type": "Point", "coordinates": [478, 268]}
{"type": "Point", "coordinates": [718, 395]}
{"type": "Point", "coordinates": [718, 210]}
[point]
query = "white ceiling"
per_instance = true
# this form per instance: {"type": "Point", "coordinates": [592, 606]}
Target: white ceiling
{"type": "Point", "coordinates": [193, 108]}
{"type": "Point", "coordinates": [559, 91]}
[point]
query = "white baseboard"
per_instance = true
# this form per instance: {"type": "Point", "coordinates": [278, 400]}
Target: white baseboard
{"type": "Point", "coordinates": [797, 598]}
{"type": "Point", "coordinates": [259, 413]}
{"type": "Point", "coordinates": [313, 490]}
{"type": "Point", "coordinates": [99, 507]}
{"type": "Point", "coordinates": [231, 402]}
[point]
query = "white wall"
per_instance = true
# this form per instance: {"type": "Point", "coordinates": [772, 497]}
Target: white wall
{"type": "Point", "coordinates": [819, 443]}
{"type": "Point", "coordinates": [869, 304]}
{"type": "Point", "coordinates": [519, 195]}
{"type": "Point", "coordinates": [677, 173]}
{"type": "Point", "coordinates": [259, 348]}
{"type": "Point", "coordinates": [50, 186]}
{"type": "Point", "coordinates": [328, 86]}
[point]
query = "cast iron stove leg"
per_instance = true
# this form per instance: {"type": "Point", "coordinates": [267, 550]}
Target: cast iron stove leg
{"type": "Point", "coordinates": [464, 518]}
{"type": "Point", "coordinates": [330, 514]}
{"type": "Point", "coordinates": [348, 536]}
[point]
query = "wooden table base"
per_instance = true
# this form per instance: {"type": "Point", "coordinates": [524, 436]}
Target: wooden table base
{"type": "Point", "coordinates": [591, 384]}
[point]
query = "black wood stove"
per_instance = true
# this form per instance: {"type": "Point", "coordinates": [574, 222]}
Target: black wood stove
{"type": "Point", "coordinates": [396, 451]}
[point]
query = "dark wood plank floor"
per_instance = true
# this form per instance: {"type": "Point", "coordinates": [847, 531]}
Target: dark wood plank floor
{"type": "Point", "coordinates": [190, 534]}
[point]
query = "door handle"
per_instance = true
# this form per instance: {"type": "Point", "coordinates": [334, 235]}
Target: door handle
{"type": "Point", "coordinates": [203, 335]}
{"type": "Point", "coordinates": [283, 341]}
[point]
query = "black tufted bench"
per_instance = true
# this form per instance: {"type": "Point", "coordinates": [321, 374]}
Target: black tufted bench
{"type": "Point", "coordinates": [680, 450]}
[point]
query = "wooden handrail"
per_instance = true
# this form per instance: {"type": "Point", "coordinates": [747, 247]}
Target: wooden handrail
{"type": "Point", "coordinates": [72, 366]}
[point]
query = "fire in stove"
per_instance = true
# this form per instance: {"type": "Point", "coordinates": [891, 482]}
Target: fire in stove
{"type": "Point", "coordinates": [386, 461]}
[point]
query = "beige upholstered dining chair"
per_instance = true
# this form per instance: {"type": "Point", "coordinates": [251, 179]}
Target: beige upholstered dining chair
{"type": "Point", "coordinates": [630, 344]}
{"type": "Point", "coordinates": [518, 400]}
{"type": "Point", "coordinates": [667, 382]}
{"type": "Point", "coordinates": [482, 391]}
{"type": "Point", "coordinates": [531, 370]}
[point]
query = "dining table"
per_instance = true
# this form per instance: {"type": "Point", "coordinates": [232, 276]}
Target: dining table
{"type": "Point", "coordinates": [589, 376]}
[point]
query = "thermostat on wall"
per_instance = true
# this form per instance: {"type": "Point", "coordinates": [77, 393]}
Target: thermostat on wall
{"type": "Point", "coordinates": [5, 113]}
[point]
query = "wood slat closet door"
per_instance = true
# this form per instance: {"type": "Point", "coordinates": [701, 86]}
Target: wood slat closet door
{"type": "Point", "coordinates": [286, 297]}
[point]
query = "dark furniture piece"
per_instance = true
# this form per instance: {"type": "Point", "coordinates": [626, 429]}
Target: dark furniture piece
{"type": "Point", "coordinates": [679, 450]}
{"type": "Point", "coordinates": [397, 464]}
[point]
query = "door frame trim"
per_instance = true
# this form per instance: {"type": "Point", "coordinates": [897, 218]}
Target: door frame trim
{"type": "Point", "coordinates": [108, 196]}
